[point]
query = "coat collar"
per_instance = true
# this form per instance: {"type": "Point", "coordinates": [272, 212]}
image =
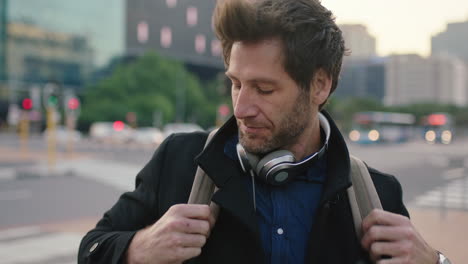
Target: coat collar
{"type": "Point", "coordinates": [227, 174]}
{"type": "Point", "coordinates": [338, 166]}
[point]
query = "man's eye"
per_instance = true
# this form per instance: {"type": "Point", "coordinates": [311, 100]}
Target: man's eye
{"type": "Point", "coordinates": [264, 90]}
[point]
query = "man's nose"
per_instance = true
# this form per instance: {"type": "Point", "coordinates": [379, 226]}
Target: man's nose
{"type": "Point", "coordinates": [245, 104]}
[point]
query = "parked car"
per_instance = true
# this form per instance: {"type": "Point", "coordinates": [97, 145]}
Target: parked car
{"type": "Point", "coordinates": [115, 132]}
{"type": "Point", "coordinates": [147, 135]}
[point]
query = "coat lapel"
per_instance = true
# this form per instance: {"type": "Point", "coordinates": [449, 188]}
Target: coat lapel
{"type": "Point", "coordinates": [338, 164]}
{"type": "Point", "coordinates": [232, 195]}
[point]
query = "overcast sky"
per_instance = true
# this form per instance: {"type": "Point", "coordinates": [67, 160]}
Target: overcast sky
{"type": "Point", "coordinates": [400, 26]}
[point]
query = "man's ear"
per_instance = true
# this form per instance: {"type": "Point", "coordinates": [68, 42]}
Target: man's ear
{"type": "Point", "coordinates": [320, 87]}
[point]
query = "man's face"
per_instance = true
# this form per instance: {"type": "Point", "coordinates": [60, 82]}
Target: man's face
{"type": "Point", "coordinates": [271, 109]}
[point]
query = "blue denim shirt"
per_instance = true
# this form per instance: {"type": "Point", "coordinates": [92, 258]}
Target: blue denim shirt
{"type": "Point", "coordinates": [286, 213]}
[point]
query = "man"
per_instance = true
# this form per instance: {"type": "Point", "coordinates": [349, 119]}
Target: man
{"type": "Point", "coordinates": [283, 58]}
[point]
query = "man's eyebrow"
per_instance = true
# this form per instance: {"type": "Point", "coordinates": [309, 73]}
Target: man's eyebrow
{"type": "Point", "coordinates": [265, 80]}
{"type": "Point", "coordinates": [255, 80]}
{"type": "Point", "coordinates": [230, 76]}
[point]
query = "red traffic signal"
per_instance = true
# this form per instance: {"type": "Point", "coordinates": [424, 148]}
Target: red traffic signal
{"type": "Point", "coordinates": [223, 110]}
{"type": "Point", "coordinates": [73, 103]}
{"type": "Point", "coordinates": [118, 126]}
{"type": "Point", "coordinates": [27, 104]}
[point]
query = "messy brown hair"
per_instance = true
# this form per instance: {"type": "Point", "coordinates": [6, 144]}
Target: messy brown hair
{"type": "Point", "coordinates": [311, 39]}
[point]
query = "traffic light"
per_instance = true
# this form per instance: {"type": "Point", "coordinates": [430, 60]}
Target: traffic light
{"type": "Point", "coordinates": [51, 95]}
{"type": "Point", "coordinates": [52, 100]}
{"type": "Point", "coordinates": [73, 103]}
{"type": "Point", "coordinates": [27, 103]}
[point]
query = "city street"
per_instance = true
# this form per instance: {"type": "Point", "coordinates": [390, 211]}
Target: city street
{"type": "Point", "coordinates": [45, 211]}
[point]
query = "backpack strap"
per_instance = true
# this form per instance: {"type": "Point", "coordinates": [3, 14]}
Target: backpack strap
{"type": "Point", "coordinates": [203, 187]}
{"type": "Point", "coordinates": [363, 197]}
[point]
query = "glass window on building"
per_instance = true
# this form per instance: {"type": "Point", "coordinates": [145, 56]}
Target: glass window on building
{"type": "Point", "coordinates": [200, 43]}
{"type": "Point", "coordinates": [142, 32]}
{"type": "Point", "coordinates": [215, 48]}
{"type": "Point", "coordinates": [171, 3]}
{"type": "Point", "coordinates": [192, 16]}
{"type": "Point", "coordinates": [166, 37]}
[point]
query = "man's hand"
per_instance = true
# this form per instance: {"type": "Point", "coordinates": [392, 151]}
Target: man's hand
{"type": "Point", "coordinates": [177, 236]}
{"type": "Point", "coordinates": [392, 235]}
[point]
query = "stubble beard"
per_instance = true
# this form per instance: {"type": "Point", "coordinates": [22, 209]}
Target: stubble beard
{"type": "Point", "coordinates": [290, 126]}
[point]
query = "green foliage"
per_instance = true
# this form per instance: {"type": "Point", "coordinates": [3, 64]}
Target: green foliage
{"type": "Point", "coordinates": [151, 84]}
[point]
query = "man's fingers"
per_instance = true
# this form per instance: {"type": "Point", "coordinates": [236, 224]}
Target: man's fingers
{"type": "Point", "coordinates": [379, 249]}
{"type": "Point", "coordinates": [194, 226]}
{"type": "Point", "coordinates": [198, 211]}
{"type": "Point", "coordinates": [184, 253]}
{"type": "Point", "coordinates": [380, 217]}
{"type": "Point", "coordinates": [187, 240]}
{"type": "Point", "coordinates": [385, 233]}
{"type": "Point", "coordinates": [392, 261]}
{"type": "Point", "coordinates": [189, 226]}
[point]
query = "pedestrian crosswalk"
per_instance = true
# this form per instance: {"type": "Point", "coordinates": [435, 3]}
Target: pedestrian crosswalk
{"type": "Point", "coordinates": [32, 245]}
{"type": "Point", "coordinates": [452, 195]}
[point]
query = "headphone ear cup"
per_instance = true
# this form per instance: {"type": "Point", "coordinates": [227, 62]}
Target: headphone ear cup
{"type": "Point", "coordinates": [261, 172]}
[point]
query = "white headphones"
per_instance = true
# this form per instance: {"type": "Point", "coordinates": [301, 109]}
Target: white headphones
{"type": "Point", "coordinates": [280, 166]}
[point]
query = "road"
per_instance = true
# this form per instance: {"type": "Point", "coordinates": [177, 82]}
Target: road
{"type": "Point", "coordinates": [47, 215]}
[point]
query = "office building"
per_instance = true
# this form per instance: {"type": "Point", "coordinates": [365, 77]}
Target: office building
{"type": "Point", "coordinates": [415, 79]}
{"type": "Point", "coordinates": [358, 41]}
{"type": "Point", "coordinates": [181, 30]}
{"type": "Point", "coordinates": [36, 56]}
{"type": "Point", "coordinates": [101, 22]}
{"type": "Point", "coordinates": [3, 35]}
{"type": "Point", "coordinates": [452, 41]}
{"type": "Point", "coordinates": [362, 78]}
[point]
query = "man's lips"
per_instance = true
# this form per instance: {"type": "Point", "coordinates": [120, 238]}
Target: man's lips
{"type": "Point", "coordinates": [252, 129]}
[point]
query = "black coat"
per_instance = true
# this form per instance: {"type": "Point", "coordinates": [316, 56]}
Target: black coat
{"type": "Point", "coordinates": [167, 179]}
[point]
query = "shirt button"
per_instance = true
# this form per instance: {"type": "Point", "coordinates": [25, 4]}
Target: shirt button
{"type": "Point", "coordinates": [280, 231]}
{"type": "Point", "coordinates": [93, 247]}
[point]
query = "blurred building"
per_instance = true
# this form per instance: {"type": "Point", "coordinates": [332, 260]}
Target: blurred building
{"type": "Point", "coordinates": [452, 41]}
{"type": "Point", "coordinates": [102, 22]}
{"type": "Point", "coordinates": [3, 34]}
{"type": "Point", "coordinates": [362, 78]}
{"type": "Point", "coordinates": [414, 79]}
{"type": "Point", "coordinates": [36, 55]}
{"type": "Point", "coordinates": [181, 30]}
{"type": "Point", "coordinates": [358, 41]}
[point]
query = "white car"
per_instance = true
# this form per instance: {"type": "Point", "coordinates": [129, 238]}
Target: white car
{"type": "Point", "coordinates": [147, 135]}
{"type": "Point", "coordinates": [114, 132]}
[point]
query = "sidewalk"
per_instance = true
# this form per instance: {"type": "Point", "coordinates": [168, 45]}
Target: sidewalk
{"type": "Point", "coordinates": [35, 164]}
{"type": "Point", "coordinates": [447, 232]}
